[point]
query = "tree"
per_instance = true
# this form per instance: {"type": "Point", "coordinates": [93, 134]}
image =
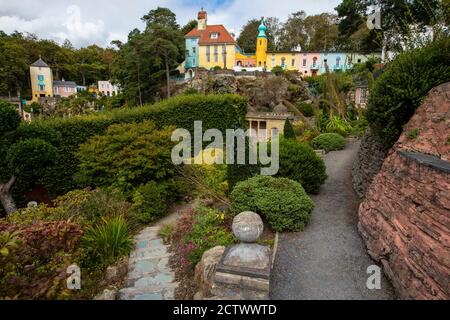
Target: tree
{"type": "Point", "coordinates": [401, 20]}
{"type": "Point", "coordinates": [20, 156]}
{"type": "Point", "coordinates": [166, 40]}
{"type": "Point", "coordinates": [247, 37]}
{"type": "Point", "coordinates": [293, 32]}
{"type": "Point", "coordinates": [189, 27]}
{"type": "Point", "coordinates": [288, 131]}
{"type": "Point", "coordinates": [322, 31]}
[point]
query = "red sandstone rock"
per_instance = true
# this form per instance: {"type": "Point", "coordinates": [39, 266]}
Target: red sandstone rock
{"type": "Point", "coordinates": [405, 218]}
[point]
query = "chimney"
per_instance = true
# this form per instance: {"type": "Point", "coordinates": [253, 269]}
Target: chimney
{"type": "Point", "coordinates": [202, 20]}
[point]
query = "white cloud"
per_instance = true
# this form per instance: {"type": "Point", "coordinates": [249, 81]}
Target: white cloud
{"type": "Point", "coordinates": [85, 22]}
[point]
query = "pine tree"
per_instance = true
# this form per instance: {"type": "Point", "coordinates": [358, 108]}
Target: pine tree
{"type": "Point", "coordinates": [288, 130]}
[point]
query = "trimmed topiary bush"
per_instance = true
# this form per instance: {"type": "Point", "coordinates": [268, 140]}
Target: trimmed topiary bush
{"type": "Point", "coordinates": [402, 87]}
{"type": "Point", "coordinates": [299, 162]}
{"type": "Point", "coordinates": [283, 203]}
{"type": "Point", "coordinates": [329, 142]}
{"type": "Point", "coordinates": [288, 131]}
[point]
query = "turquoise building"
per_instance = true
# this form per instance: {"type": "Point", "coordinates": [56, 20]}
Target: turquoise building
{"type": "Point", "coordinates": [192, 53]}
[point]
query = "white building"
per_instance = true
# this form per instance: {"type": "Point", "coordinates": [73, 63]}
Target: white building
{"type": "Point", "coordinates": [107, 89]}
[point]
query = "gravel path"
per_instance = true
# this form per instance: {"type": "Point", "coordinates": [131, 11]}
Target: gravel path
{"type": "Point", "coordinates": [149, 274]}
{"type": "Point", "coordinates": [328, 259]}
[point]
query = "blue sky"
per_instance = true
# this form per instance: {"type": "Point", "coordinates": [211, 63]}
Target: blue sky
{"type": "Point", "coordinates": [84, 22]}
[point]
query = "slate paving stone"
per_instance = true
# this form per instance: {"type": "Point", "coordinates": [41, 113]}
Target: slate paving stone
{"type": "Point", "coordinates": [150, 276]}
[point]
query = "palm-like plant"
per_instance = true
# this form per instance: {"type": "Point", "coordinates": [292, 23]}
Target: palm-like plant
{"type": "Point", "coordinates": [109, 240]}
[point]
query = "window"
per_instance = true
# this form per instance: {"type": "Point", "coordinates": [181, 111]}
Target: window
{"type": "Point", "coordinates": [193, 61]}
{"type": "Point", "coordinates": [194, 50]}
{"type": "Point", "coordinates": [283, 62]}
{"type": "Point", "coordinates": [304, 62]}
{"type": "Point", "coordinates": [208, 53]}
{"type": "Point", "coordinates": [216, 53]}
{"type": "Point", "coordinates": [273, 61]}
{"type": "Point", "coordinates": [363, 98]}
{"type": "Point", "coordinates": [42, 87]}
{"type": "Point", "coordinates": [338, 61]}
{"type": "Point", "coordinates": [214, 35]}
{"type": "Point", "coordinates": [293, 63]}
{"type": "Point", "coordinates": [40, 77]}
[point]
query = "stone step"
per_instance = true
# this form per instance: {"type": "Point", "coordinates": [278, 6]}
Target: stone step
{"type": "Point", "coordinates": [146, 254]}
{"type": "Point", "coordinates": [140, 268]}
{"type": "Point", "coordinates": [155, 280]}
{"type": "Point", "coordinates": [165, 292]}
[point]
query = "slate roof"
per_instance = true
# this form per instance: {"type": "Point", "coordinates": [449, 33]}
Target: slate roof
{"type": "Point", "coordinates": [64, 84]}
{"type": "Point", "coordinates": [40, 63]}
{"type": "Point", "coordinates": [205, 35]}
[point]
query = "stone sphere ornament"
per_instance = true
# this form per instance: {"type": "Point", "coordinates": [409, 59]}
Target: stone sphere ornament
{"type": "Point", "coordinates": [248, 227]}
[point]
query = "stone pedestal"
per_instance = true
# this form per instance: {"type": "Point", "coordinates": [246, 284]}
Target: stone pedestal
{"type": "Point", "coordinates": [244, 270]}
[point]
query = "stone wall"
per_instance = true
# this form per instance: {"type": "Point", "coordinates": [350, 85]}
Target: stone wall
{"type": "Point", "coordinates": [405, 217]}
{"type": "Point", "coordinates": [368, 163]}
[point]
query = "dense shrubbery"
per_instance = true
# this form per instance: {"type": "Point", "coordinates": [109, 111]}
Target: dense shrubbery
{"type": "Point", "coordinates": [209, 230]}
{"type": "Point", "coordinates": [36, 268]}
{"type": "Point", "coordinates": [126, 156]}
{"type": "Point", "coordinates": [283, 203]}
{"type": "Point", "coordinates": [402, 87]}
{"type": "Point", "coordinates": [215, 111]}
{"type": "Point", "coordinates": [150, 201]}
{"type": "Point", "coordinates": [307, 109]}
{"type": "Point", "coordinates": [329, 142]}
{"type": "Point", "coordinates": [300, 163]}
{"type": "Point", "coordinates": [198, 230]}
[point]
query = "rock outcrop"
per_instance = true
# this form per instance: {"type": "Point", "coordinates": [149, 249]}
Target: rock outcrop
{"type": "Point", "coordinates": [204, 272]}
{"type": "Point", "coordinates": [368, 163]}
{"type": "Point", "coordinates": [405, 217]}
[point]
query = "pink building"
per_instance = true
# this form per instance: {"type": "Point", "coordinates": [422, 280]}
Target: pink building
{"type": "Point", "coordinates": [107, 89]}
{"type": "Point", "coordinates": [310, 63]}
{"type": "Point", "coordinates": [64, 88]}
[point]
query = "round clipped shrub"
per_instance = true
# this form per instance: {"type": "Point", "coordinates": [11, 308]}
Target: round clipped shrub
{"type": "Point", "coordinates": [329, 142]}
{"type": "Point", "coordinates": [299, 162]}
{"type": "Point", "coordinates": [283, 203]}
{"type": "Point", "coordinates": [400, 90]}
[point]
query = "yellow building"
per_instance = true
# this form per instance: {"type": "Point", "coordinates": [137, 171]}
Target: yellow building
{"type": "Point", "coordinates": [262, 43]}
{"type": "Point", "coordinates": [217, 55]}
{"type": "Point", "coordinates": [41, 80]}
{"type": "Point", "coordinates": [209, 46]}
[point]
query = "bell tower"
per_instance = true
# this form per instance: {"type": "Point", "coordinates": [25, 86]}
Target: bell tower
{"type": "Point", "coordinates": [261, 45]}
{"type": "Point", "coordinates": [202, 20]}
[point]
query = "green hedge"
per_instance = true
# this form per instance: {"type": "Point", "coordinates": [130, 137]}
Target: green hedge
{"type": "Point", "coordinates": [402, 87]}
{"type": "Point", "coordinates": [329, 142]}
{"type": "Point", "coordinates": [216, 111]}
{"type": "Point", "coordinates": [283, 203]}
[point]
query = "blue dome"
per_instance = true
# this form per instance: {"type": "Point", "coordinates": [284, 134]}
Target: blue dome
{"type": "Point", "coordinates": [262, 30]}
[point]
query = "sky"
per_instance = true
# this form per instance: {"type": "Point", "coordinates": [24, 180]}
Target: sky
{"type": "Point", "coordinates": [86, 22]}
